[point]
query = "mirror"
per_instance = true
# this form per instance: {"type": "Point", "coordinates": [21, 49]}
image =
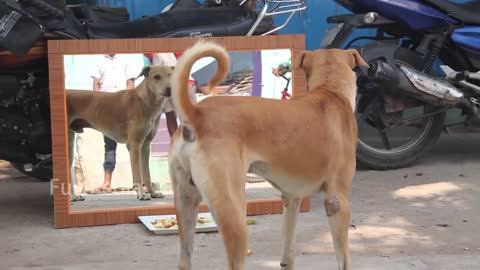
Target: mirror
{"type": "Point", "coordinates": [101, 171]}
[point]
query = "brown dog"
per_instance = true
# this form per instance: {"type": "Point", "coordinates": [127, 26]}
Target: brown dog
{"type": "Point", "coordinates": [301, 146]}
{"type": "Point", "coordinates": [127, 116]}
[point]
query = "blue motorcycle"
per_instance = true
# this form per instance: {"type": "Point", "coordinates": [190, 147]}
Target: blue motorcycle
{"type": "Point", "coordinates": [424, 60]}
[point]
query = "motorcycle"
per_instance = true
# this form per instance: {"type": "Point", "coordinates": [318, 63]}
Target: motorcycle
{"type": "Point", "coordinates": [25, 25]}
{"type": "Point", "coordinates": [424, 58]}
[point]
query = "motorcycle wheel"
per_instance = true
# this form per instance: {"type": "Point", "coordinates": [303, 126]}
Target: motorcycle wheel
{"type": "Point", "coordinates": [384, 146]}
{"type": "Point", "coordinates": [387, 146]}
{"type": "Point", "coordinates": [43, 174]}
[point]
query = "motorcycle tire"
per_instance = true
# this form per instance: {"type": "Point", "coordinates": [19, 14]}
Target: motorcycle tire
{"type": "Point", "coordinates": [384, 160]}
{"type": "Point", "coordinates": [377, 160]}
{"type": "Point", "coordinates": [43, 174]}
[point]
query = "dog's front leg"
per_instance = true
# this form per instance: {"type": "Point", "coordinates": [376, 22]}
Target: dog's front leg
{"type": "Point", "coordinates": [145, 164]}
{"type": "Point", "coordinates": [291, 206]}
{"type": "Point", "coordinates": [223, 187]}
{"type": "Point", "coordinates": [134, 151]}
{"type": "Point", "coordinates": [187, 198]}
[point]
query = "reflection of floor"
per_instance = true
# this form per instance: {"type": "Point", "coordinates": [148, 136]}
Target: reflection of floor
{"type": "Point", "coordinates": [128, 199]}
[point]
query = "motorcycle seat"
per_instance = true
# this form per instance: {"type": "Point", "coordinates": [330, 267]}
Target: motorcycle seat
{"type": "Point", "coordinates": [179, 22]}
{"type": "Point", "coordinates": [99, 14]}
{"type": "Point", "coordinates": [467, 12]}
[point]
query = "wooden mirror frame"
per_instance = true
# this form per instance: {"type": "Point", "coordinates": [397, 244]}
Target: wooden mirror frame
{"type": "Point", "coordinates": [64, 217]}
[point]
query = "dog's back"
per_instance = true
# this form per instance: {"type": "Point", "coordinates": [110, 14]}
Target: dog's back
{"type": "Point", "coordinates": [303, 139]}
{"type": "Point", "coordinates": [278, 133]}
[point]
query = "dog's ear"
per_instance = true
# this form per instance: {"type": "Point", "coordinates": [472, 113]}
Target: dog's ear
{"type": "Point", "coordinates": [298, 61]}
{"type": "Point", "coordinates": [358, 58]}
{"type": "Point", "coordinates": [145, 72]}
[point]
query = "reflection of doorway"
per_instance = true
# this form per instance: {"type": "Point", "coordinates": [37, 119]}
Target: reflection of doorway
{"type": "Point", "coordinates": [242, 63]}
{"type": "Point", "coordinates": [238, 61]}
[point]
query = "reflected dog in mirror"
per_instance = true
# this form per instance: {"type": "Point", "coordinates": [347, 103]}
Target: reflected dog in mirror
{"type": "Point", "coordinates": [127, 116]}
{"type": "Point", "coordinates": [310, 148]}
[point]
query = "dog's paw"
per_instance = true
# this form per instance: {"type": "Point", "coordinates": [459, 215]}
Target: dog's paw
{"type": "Point", "coordinates": [287, 265]}
{"type": "Point", "coordinates": [77, 198]}
{"type": "Point", "coordinates": [144, 197]}
{"type": "Point", "coordinates": [157, 195]}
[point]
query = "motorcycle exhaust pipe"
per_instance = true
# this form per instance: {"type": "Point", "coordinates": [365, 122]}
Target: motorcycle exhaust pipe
{"type": "Point", "coordinates": [407, 80]}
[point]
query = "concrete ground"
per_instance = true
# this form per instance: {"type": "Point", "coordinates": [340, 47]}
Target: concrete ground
{"type": "Point", "coordinates": [423, 217]}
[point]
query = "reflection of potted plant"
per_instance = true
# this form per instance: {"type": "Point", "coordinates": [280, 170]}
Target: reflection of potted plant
{"type": "Point", "coordinates": [280, 72]}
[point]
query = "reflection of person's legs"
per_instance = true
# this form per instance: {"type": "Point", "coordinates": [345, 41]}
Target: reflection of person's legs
{"type": "Point", "coordinates": [170, 114]}
{"type": "Point", "coordinates": [192, 92]}
{"type": "Point", "coordinates": [109, 163]}
{"type": "Point", "coordinates": [172, 124]}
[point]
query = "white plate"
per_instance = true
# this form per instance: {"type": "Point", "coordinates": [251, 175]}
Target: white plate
{"type": "Point", "coordinates": [206, 227]}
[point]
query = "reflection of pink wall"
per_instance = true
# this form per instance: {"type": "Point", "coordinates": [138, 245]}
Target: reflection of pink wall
{"type": "Point", "coordinates": [161, 142]}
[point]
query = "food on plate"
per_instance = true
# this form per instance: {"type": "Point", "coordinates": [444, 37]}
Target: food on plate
{"type": "Point", "coordinates": [164, 223]}
{"type": "Point", "coordinates": [167, 223]}
{"type": "Point", "coordinates": [203, 220]}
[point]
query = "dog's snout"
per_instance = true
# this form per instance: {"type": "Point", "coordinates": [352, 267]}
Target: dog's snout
{"type": "Point", "coordinates": [167, 92]}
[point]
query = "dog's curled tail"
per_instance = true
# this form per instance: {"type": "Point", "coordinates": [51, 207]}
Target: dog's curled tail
{"type": "Point", "coordinates": [184, 108]}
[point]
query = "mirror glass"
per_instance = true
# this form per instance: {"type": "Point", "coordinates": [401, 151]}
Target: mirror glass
{"type": "Point", "coordinates": [101, 170]}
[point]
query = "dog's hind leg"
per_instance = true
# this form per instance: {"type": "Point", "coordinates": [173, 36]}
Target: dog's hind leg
{"type": "Point", "coordinates": [291, 206]}
{"type": "Point", "coordinates": [338, 212]}
{"type": "Point", "coordinates": [224, 188]}
{"type": "Point", "coordinates": [187, 198]}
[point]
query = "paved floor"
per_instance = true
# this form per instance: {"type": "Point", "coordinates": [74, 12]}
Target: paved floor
{"type": "Point", "coordinates": [423, 217]}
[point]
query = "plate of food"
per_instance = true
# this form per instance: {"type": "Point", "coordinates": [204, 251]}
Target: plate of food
{"type": "Point", "coordinates": [167, 224]}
